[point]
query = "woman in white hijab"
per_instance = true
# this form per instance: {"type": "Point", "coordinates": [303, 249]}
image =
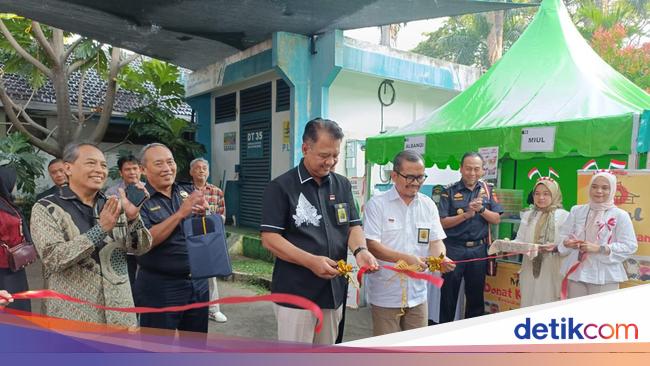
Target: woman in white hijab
{"type": "Point", "coordinates": [540, 277]}
{"type": "Point", "coordinates": [596, 238]}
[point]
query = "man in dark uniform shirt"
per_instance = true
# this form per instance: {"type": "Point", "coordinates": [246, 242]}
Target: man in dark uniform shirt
{"type": "Point", "coordinates": [56, 170]}
{"type": "Point", "coordinates": [309, 221]}
{"type": "Point", "coordinates": [467, 208]}
{"type": "Point", "coordinates": [164, 273]}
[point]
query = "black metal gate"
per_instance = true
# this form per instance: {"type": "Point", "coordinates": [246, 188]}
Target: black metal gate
{"type": "Point", "coordinates": [255, 152]}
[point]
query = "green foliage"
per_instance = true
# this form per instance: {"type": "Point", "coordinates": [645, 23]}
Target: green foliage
{"type": "Point", "coordinates": [16, 151]}
{"type": "Point", "coordinates": [157, 84]}
{"type": "Point", "coordinates": [591, 17]}
{"type": "Point", "coordinates": [252, 266]}
{"type": "Point", "coordinates": [157, 81]}
{"type": "Point", "coordinates": [92, 53]}
{"type": "Point", "coordinates": [13, 62]}
{"type": "Point", "coordinates": [463, 39]}
{"type": "Point", "coordinates": [632, 62]}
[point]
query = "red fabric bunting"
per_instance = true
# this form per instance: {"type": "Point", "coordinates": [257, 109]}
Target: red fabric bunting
{"type": "Point", "coordinates": [295, 300]}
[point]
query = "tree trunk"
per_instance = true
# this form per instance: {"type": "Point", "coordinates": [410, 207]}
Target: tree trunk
{"type": "Point", "coordinates": [65, 131]}
{"type": "Point", "coordinates": [385, 39]}
{"type": "Point", "coordinates": [109, 98]}
{"type": "Point", "coordinates": [495, 37]}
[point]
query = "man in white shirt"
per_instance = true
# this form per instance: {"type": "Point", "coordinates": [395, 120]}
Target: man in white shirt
{"type": "Point", "coordinates": [402, 224]}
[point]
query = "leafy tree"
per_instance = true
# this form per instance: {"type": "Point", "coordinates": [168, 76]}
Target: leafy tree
{"type": "Point", "coordinates": [16, 151]}
{"type": "Point", "coordinates": [157, 84]}
{"type": "Point", "coordinates": [591, 16]}
{"type": "Point", "coordinates": [616, 30]}
{"type": "Point", "coordinates": [464, 39]}
{"type": "Point", "coordinates": [633, 62]}
{"type": "Point", "coordinates": [40, 54]}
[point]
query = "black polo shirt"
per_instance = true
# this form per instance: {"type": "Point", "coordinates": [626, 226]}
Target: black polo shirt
{"type": "Point", "coordinates": [306, 214]}
{"type": "Point", "coordinates": [170, 257]}
{"type": "Point", "coordinates": [52, 190]}
{"type": "Point", "coordinates": [84, 217]}
{"type": "Point", "coordinates": [455, 201]}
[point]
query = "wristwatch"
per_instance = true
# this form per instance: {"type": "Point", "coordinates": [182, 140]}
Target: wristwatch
{"type": "Point", "coordinates": [602, 250]}
{"type": "Point", "coordinates": [359, 249]}
{"type": "Point", "coordinates": [481, 210]}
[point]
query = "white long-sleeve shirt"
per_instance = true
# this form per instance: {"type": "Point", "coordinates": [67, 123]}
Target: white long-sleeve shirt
{"type": "Point", "coordinates": [598, 268]}
{"type": "Point", "coordinates": [408, 229]}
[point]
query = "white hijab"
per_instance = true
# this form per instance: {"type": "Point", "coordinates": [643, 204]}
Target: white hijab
{"type": "Point", "coordinates": [597, 210]}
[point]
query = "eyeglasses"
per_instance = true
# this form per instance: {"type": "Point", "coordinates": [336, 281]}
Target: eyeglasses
{"type": "Point", "coordinates": [412, 178]}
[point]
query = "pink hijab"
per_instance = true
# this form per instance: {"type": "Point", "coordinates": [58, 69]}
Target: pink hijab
{"type": "Point", "coordinates": [597, 210]}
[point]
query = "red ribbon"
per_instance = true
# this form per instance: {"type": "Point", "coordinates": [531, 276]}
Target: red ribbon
{"type": "Point", "coordinates": [609, 225]}
{"type": "Point", "coordinates": [488, 257]}
{"type": "Point", "coordinates": [564, 292]}
{"type": "Point", "coordinates": [295, 300]}
{"type": "Point", "coordinates": [435, 280]}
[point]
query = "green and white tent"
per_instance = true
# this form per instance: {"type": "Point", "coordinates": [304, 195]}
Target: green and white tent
{"type": "Point", "coordinates": [549, 77]}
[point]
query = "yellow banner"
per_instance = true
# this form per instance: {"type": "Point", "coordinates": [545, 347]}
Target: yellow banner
{"type": "Point", "coordinates": [632, 195]}
{"type": "Point", "coordinates": [502, 292]}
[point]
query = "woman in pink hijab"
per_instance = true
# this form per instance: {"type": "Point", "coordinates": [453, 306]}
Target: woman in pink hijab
{"type": "Point", "coordinates": [596, 239]}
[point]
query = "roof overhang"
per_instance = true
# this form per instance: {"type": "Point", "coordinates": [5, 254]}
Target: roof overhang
{"type": "Point", "coordinates": [196, 33]}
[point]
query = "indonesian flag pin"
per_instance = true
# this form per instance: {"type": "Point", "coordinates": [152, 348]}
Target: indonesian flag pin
{"type": "Point", "coordinates": [332, 197]}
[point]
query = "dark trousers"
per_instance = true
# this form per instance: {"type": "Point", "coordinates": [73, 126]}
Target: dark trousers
{"type": "Point", "coordinates": [132, 266]}
{"type": "Point", "coordinates": [474, 275]}
{"type": "Point", "coordinates": [158, 290]}
{"type": "Point", "coordinates": [14, 282]}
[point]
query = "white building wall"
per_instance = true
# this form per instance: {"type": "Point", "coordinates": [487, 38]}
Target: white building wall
{"type": "Point", "coordinates": [355, 106]}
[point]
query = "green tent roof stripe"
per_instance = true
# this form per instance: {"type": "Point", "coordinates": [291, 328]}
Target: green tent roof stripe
{"type": "Point", "coordinates": [549, 77]}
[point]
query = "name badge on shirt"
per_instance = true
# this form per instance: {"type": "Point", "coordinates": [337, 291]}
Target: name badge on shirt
{"type": "Point", "coordinates": [341, 213]}
{"type": "Point", "coordinates": [423, 236]}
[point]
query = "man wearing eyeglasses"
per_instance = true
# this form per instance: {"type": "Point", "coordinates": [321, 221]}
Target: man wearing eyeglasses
{"type": "Point", "coordinates": [467, 208]}
{"type": "Point", "coordinates": [402, 224]}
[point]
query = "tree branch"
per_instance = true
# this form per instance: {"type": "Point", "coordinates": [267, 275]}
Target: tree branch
{"type": "Point", "coordinates": [109, 97]}
{"type": "Point", "coordinates": [75, 65]}
{"type": "Point", "coordinates": [125, 141]}
{"type": "Point", "coordinates": [57, 45]}
{"type": "Point", "coordinates": [80, 98]}
{"type": "Point", "coordinates": [128, 60]}
{"type": "Point", "coordinates": [43, 145]}
{"type": "Point", "coordinates": [42, 40]}
{"type": "Point", "coordinates": [78, 130]}
{"type": "Point", "coordinates": [21, 112]}
{"type": "Point", "coordinates": [22, 52]}
{"type": "Point", "coordinates": [71, 48]}
{"type": "Point", "coordinates": [35, 125]}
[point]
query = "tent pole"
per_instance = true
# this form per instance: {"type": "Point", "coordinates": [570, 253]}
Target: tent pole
{"type": "Point", "coordinates": [633, 158]}
{"type": "Point", "coordinates": [368, 180]}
